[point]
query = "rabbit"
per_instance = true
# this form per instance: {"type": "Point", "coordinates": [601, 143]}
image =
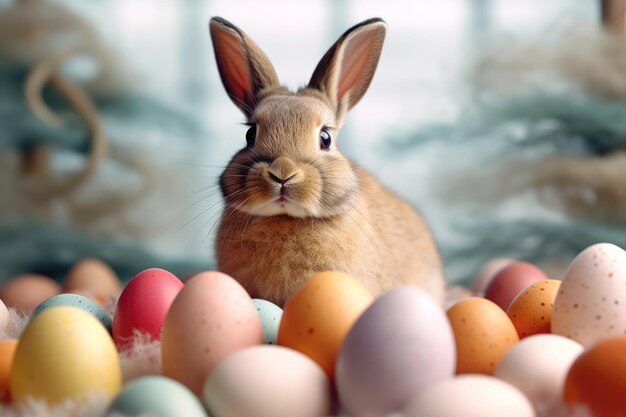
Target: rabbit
{"type": "Point", "coordinates": [293, 204]}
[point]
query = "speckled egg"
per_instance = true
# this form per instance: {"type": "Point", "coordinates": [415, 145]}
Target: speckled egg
{"type": "Point", "coordinates": [531, 310]}
{"type": "Point", "coordinates": [78, 301]}
{"type": "Point", "coordinates": [319, 315]}
{"type": "Point", "coordinates": [270, 315]}
{"type": "Point", "coordinates": [400, 345]}
{"type": "Point", "coordinates": [597, 379]}
{"type": "Point", "coordinates": [591, 303]}
{"type": "Point", "coordinates": [470, 396]}
{"type": "Point", "coordinates": [267, 381]}
{"type": "Point", "coordinates": [65, 353]}
{"type": "Point", "coordinates": [157, 395]}
{"type": "Point", "coordinates": [483, 334]}
{"type": "Point", "coordinates": [212, 317]}
{"type": "Point", "coordinates": [537, 366]}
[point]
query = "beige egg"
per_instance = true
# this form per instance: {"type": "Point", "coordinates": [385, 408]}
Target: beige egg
{"type": "Point", "coordinates": [94, 276]}
{"type": "Point", "coordinates": [26, 292]}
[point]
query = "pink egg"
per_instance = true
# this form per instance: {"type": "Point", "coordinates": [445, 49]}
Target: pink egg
{"type": "Point", "coordinates": [26, 292]}
{"type": "Point", "coordinates": [511, 280]}
{"type": "Point", "coordinates": [143, 305]}
{"type": "Point", "coordinates": [212, 317]}
{"type": "Point", "coordinates": [400, 345]}
{"type": "Point", "coordinates": [488, 272]}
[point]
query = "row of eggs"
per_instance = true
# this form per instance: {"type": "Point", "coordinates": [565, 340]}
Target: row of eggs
{"type": "Point", "coordinates": [398, 352]}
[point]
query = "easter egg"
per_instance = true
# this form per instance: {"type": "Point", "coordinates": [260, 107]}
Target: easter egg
{"type": "Point", "coordinates": [591, 303]}
{"type": "Point", "coordinates": [7, 353]}
{"type": "Point", "coordinates": [94, 276]}
{"type": "Point", "coordinates": [597, 379]}
{"type": "Point", "coordinates": [65, 353]}
{"type": "Point", "coordinates": [270, 315]}
{"type": "Point", "coordinates": [78, 301]}
{"type": "Point", "coordinates": [267, 381]}
{"type": "Point", "coordinates": [319, 315]}
{"type": "Point", "coordinates": [537, 366]}
{"type": "Point", "coordinates": [4, 317]}
{"type": "Point", "coordinates": [401, 344]}
{"type": "Point", "coordinates": [211, 318]}
{"type": "Point", "coordinates": [157, 396]}
{"type": "Point", "coordinates": [488, 272]}
{"type": "Point", "coordinates": [26, 292]}
{"type": "Point", "coordinates": [531, 310]}
{"type": "Point", "coordinates": [143, 305]}
{"type": "Point", "coordinates": [483, 334]}
{"type": "Point", "coordinates": [511, 280]}
{"type": "Point", "coordinates": [470, 396]}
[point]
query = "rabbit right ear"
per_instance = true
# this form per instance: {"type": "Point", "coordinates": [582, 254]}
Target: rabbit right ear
{"type": "Point", "coordinates": [244, 68]}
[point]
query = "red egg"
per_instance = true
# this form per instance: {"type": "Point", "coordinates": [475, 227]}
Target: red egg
{"type": "Point", "coordinates": [143, 305]}
{"type": "Point", "coordinates": [511, 280]}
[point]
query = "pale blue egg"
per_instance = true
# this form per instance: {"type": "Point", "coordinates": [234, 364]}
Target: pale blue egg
{"type": "Point", "coordinates": [270, 315]}
{"type": "Point", "coordinates": [78, 301]}
{"type": "Point", "coordinates": [156, 396]}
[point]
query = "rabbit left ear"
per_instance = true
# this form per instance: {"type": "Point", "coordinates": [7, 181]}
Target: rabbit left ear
{"type": "Point", "coordinates": [244, 68]}
{"type": "Point", "coordinates": [346, 70]}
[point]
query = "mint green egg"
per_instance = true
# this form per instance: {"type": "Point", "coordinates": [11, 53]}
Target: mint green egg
{"type": "Point", "coordinates": [78, 301]}
{"type": "Point", "coordinates": [156, 396]}
{"type": "Point", "coordinates": [270, 315]}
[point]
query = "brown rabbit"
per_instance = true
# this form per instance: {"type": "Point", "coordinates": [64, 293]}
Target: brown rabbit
{"type": "Point", "coordinates": [294, 205]}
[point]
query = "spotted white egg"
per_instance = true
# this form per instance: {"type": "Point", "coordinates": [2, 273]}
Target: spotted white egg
{"type": "Point", "coordinates": [591, 303]}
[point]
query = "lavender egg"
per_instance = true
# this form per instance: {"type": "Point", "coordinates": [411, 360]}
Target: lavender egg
{"type": "Point", "coordinates": [400, 345]}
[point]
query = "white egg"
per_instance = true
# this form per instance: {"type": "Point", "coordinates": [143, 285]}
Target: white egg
{"type": "Point", "coordinates": [591, 303]}
{"type": "Point", "coordinates": [267, 381]}
{"type": "Point", "coordinates": [470, 395]}
{"type": "Point", "coordinates": [537, 366]}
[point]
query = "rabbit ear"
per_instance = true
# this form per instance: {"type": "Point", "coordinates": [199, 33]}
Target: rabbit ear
{"type": "Point", "coordinates": [346, 70]}
{"type": "Point", "coordinates": [244, 68]}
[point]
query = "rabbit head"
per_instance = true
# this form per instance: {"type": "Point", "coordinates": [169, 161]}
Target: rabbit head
{"type": "Point", "coordinates": [291, 164]}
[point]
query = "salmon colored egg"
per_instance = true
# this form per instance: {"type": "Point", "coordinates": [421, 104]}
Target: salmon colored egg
{"type": "Point", "coordinates": [26, 292]}
{"type": "Point", "coordinates": [7, 353]}
{"type": "Point", "coordinates": [531, 310]}
{"type": "Point", "coordinates": [211, 318]}
{"type": "Point", "coordinates": [483, 335]}
{"type": "Point", "coordinates": [317, 318]}
{"type": "Point", "coordinates": [511, 280]}
{"type": "Point", "coordinates": [94, 276]}
{"type": "Point", "coordinates": [597, 379]}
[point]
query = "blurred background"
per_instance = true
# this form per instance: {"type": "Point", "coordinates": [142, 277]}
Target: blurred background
{"type": "Point", "coordinates": [503, 121]}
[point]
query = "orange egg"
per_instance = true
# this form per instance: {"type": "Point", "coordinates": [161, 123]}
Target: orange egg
{"type": "Point", "coordinates": [26, 292]}
{"type": "Point", "coordinates": [531, 310]}
{"type": "Point", "coordinates": [94, 276]}
{"type": "Point", "coordinates": [597, 379]}
{"type": "Point", "coordinates": [317, 318]}
{"type": "Point", "coordinates": [483, 334]}
{"type": "Point", "coordinates": [7, 353]}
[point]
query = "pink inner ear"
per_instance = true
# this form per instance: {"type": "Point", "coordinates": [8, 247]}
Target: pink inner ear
{"type": "Point", "coordinates": [353, 63]}
{"type": "Point", "coordinates": [235, 68]}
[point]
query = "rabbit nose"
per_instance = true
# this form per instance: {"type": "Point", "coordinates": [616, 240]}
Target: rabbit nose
{"type": "Point", "coordinates": [282, 170]}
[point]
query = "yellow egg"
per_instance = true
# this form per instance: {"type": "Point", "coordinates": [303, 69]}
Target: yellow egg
{"type": "Point", "coordinates": [64, 353]}
{"type": "Point", "coordinates": [317, 318]}
{"type": "Point", "coordinates": [483, 334]}
{"type": "Point", "coordinates": [531, 310]}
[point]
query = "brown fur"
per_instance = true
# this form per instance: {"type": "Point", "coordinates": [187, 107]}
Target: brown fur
{"type": "Point", "coordinates": [335, 216]}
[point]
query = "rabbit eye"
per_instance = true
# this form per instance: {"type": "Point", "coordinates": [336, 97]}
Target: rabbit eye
{"type": "Point", "coordinates": [251, 136]}
{"type": "Point", "coordinates": [325, 139]}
